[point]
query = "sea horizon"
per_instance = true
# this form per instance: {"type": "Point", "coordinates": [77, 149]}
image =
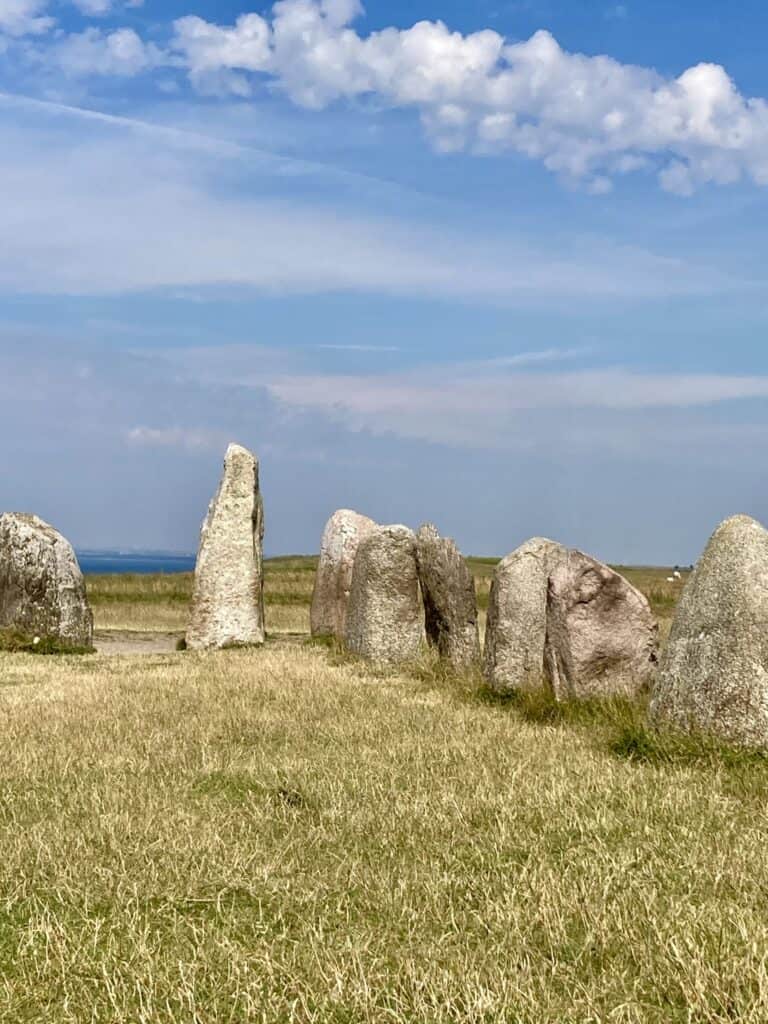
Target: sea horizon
{"type": "Point", "coordinates": [109, 561]}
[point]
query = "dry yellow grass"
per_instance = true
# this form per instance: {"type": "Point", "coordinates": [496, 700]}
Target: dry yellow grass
{"type": "Point", "coordinates": [281, 835]}
{"type": "Point", "coordinates": [284, 835]}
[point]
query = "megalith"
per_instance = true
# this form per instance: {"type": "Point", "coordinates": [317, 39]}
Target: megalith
{"type": "Point", "coordinates": [516, 626]}
{"type": "Point", "coordinates": [385, 618]}
{"type": "Point", "coordinates": [228, 598]}
{"type": "Point", "coordinates": [713, 676]}
{"type": "Point", "coordinates": [602, 639]}
{"type": "Point", "coordinates": [338, 549]}
{"type": "Point", "coordinates": [450, 602]}
{"type": "Point", "coordinates": [42, 591]}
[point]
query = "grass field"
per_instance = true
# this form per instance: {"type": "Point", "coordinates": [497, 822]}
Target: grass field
{"type": "Point", "coordinates": [286, 835]}
{"type": "Point", "coordinates": [161, 603]}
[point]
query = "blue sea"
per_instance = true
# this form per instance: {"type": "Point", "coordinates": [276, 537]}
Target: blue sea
{"type": "Point", "coordinates": [98, 562]}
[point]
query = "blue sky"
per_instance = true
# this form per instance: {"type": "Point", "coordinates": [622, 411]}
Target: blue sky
{"type": "Point", "coordinates": [499, 265]}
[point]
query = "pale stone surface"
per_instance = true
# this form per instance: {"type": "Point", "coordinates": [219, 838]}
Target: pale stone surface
{"type": "Point", "coordinates": [714, 672]}
{"type": "Point", "coordinates": [338, 550]}
{"type": "Point", "coordinates": [385, 618]}
{"type": "Point", "coordinates": [228, 599]}
{"type": "Point", "coordinates": [42, 591]}
{"type": "Point", "coordinates": [602, 639]}
{"type": "Point", "coordinates": [516, 627]}
{"type": "Point", "coordinates": [450, 603]}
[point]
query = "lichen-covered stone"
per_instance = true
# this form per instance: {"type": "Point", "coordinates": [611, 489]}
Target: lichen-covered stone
{"type": "Point", "coordinates": [338, 550]}
{"type": "Point", "coordinates": [516, 627]}
{"type": "Point", "coordinates": [714, 673]}
{"type": "Point", "coordinates": [42, 591]}
{"type": "Point", "coordinates": [228, 598]}
{"type": "Point", "coordinates": [450, 602]}
{"type": "Point", "coordinates": [385, 618]}
{"type": "Point", "coordinates": [602, 639]}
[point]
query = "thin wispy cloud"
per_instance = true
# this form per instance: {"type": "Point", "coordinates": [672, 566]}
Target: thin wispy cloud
{"type": "Point", "coordinates": [467, 405]}
{"type": "Point", "coordinates": [328, 240]}
{"type": "Point", "coordinates": [359, 348]}
{"type": "Point", "coordinates": [191, 438]}
{"type": "Point", "coordinates": [548, 355]}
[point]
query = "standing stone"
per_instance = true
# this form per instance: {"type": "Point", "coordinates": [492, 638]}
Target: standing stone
{"type": "Point", "coordinates": [385, 619]}
{"type": "Point", "coordinates": [602, 639]}
{"type": "Point", "coordinates": [42, 591]}
{"type": "Point", "coordinates": [228, 598]}
{"type": "Point", "coordinates": [450, 603]}
{"type": "Point", "coordinates": [338, 549]}
{"type": "Point", "coordinates": [714, 672]}
{"type": "Point", "coordinates": [516, 627]}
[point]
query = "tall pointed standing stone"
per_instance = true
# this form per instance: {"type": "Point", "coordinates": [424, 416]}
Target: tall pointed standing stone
{"type": "Point", "coordinates": [228, 599]}
{"type": "Point", "coordinates": [42, 591]}
{"type": "Point", "coordinates": [338, 550]}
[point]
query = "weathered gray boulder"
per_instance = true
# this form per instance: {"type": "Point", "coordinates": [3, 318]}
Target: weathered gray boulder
{"type": "Point", "coordinates": [602, 639]}
{"type": "Point", "coordinates": [516, 626]}
{"type": "Point", "coordinates": [338, 550]}
{"type": "Point", "coordinates": [42, 591]}
{"type": "Point", "coordinates": [714, 673]}
{"type": "Point", "coordinates": [385, 618]}
{"type": "Point", "coordinates": [450, 602]}
{"type": "Point", "coordinates": [228, 598]}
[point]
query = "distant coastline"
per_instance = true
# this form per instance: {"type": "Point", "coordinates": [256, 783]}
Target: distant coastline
{"type": "Point", "coordinates": [141, 562]}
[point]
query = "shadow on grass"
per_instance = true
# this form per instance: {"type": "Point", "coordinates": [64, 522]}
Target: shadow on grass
{"type": "Point", "coordinates": [240, 787]}
{"type": "Point", "coordinates": [614, 725]}
{"type": "Point", "coordinates": [621, 726]}
{"type": "Point", "coordinates": [618, 726]}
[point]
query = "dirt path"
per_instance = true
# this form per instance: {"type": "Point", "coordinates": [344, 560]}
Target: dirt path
{"type": "Point", "coordinates": [127, 642]}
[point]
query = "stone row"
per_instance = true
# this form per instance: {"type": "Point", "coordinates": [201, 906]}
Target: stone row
{"type": "Point", "coordinates": [557, 618]}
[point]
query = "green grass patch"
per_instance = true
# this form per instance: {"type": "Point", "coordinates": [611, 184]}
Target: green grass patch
{"type": "Point", "coordinates": [240, 787]}
{"type": "Point", "coordinates": [291, 563]}
{"type": "Point", "coordinates": [137, 588]}
{"type": "Point", "coordinates": [640, 742]}
{"type": "Point", "coordinates": [287, 599]}
{"type": "Point", "coordinates": [541, 708]}
{"type": "Point", "coordinates": [327, 641]}
{"type": "Point", "coordinates": [13, 641]}
{"type": "Point", "coordinates": [621, 727]}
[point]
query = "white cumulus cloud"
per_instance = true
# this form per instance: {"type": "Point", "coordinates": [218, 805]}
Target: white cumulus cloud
{"type": "Point", "coordinates": [24, 17]}
{"type": "Point", "coordinates": [119, 53]}
{"type": "Point", "coordinates": [587, 118]}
